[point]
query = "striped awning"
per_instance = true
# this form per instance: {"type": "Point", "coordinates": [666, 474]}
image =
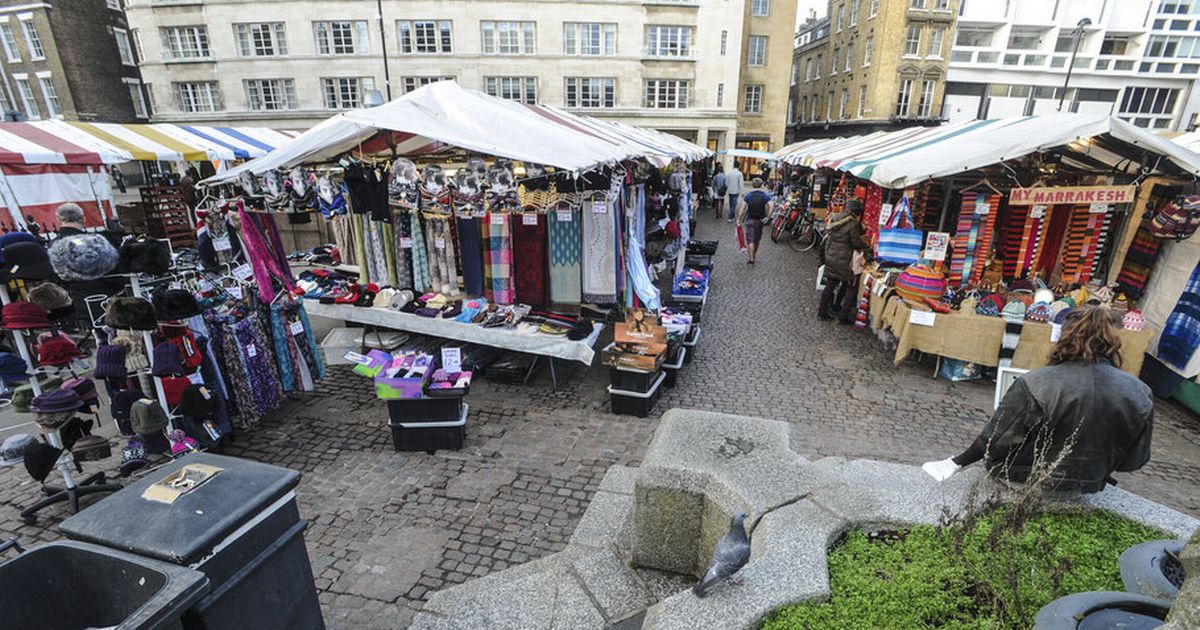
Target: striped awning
{"type": "Point", "coordinates": [69, 142]}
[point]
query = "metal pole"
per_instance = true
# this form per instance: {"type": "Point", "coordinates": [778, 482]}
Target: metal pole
{"type": "Point", "coordinates": [1074, 51]}
{"type": "Point", "coordinates": [387, 74]}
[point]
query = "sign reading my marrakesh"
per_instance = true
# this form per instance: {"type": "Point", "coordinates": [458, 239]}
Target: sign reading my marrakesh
{"type": "Point", "coordinates": [1071, 195]}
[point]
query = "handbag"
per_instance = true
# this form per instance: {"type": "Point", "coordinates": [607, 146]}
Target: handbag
{"type": "Point", "coordinates": [897, 244]}
{"type": "Point", "coordinates": [918, 282]}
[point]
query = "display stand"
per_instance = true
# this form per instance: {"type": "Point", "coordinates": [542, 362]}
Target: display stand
{"type": "Point", "coordinates": [70, 491]}
{"type": "Point", "coordinates": [22, 348]}
{"type": "Point", "coordinates": [168, 216]}
{"type": "Point", "coordinates": [135, 286]}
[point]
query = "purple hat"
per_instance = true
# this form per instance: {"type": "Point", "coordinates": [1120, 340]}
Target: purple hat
{"type": "Point", "coordinates": [57, 401]}
{"type": "Point", "coordinates": [110, 362]}
{"type": "Point", "coordinates": [167, 361]}
{"type": "Point", "coordinates": [85, 389]}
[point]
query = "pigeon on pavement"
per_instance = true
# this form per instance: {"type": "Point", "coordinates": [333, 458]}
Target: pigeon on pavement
{"type": "Point", "coordinates": [732, 553]}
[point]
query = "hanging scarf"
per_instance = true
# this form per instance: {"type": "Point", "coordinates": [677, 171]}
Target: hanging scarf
{"type": "Point", "coordinates": [499, 257]}
{"type": "Point", "coordinates": [442, 263]}
{"type": "Point", "coordinates": [420, 260]}
{"type": "Point", "coordinates": [265, 253]}
{"type": "Point", "coordinates": [402, 233]}
{"type": "Point", "coordinates": [1181, 335]}
{"type": "Point", "coordinates": [564, 231]}
{"type": "Point", "coordinates": [635, 257]}
{"type": "Point", "coordinates": [529, 258]}
{"type": "Point", "coordinates": [599, 254]}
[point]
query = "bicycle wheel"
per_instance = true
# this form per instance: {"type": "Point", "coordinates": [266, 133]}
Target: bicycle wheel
{"type": "Point", "coordinates": [804, 236]}
{"type": "Point", "coordinates": [777, 228]}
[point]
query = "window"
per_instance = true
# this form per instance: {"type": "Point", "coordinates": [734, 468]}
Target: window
{"type": "Point", "coordinates": [795, 72]}
{"type": "Point", "coordinates": [342, 37]}
{"type": "Point", "coordinates": [724, 41]}
{"type": "Point", "coordinates": [509, 38]}
{"type": "Point", "coordinates": [912, 43]}
{"type": "Point", "coordinates": [829, 107]}
{"type": "Point", "coordinates": [760, 8]}
{"type": "Point", "coordinates": [849, 56]}
{"type": "Point", "coordinates": [33, 40]}
{"type": "Point", "coordinates": [1064, 43]}
{"type": "Point", "coordinates": [975, 37]}
{"type": "Point", "coordinates": [345, 92]}
{"type": "Point", "coordinates": [791, 111]}
{"type": "Point", "coordinates": [589, 38]}
{"type": "Point", "coordinates": [845, 104]}
{"type": "Point", "coordinates": [666, 94]}
{"type": "Point", "coordinates": [862, 101]}
{"type": "Point", "coordinates": [818, 67]}
{"type": "Point", "coordinates": [591, 92]}
{"type": "Point", "coordinates": [868, 50]}
{"type": "Point", "coordinates": [904, 97]}
{"type": "Point", "coordinates": [135, 36]}
{"type": "Point", "coordinates": [123, 47]}
{"type": "Point", "coordinates": [1173, 46]}
{"type": "Point", "coordinates": [668, 41]}
{"type": "Point", "coordinates": [411, 83]}
{"type": "Point", "coordinates": [9, 40]}
{"type": "Point", "coordinates": [1114, 45]}
{"type": "Point", "coordinates": [1153, 105]}
{"type": "Point", "coordinates": [752, 103]}
{"type": "Point", "coordinates": [262, 39]}
{"type": "Point", "coordinates": [917, 4]}
{"type": "Point", "coordinates": [941, 5]}
{"type": "Point", "coordinates": [803, 109]}
{"type": "Point", "coordinates": [1024, 40]}
{"type": "Point", "coordinates": [720, 94]}
{"type": "Point", "coordinates": [25, 91]}
{"type": "Point", "coordinates": [424, 37]}
{"type": "Point", "coordinates": [185, 42]}
{"type": "Point", "coordinates": [53, 107]}
{"type": "Point", "coordinates": [925, 105]}
{"type": "Point", "coordinates": [837, 54]}
{"type": "Point", "coordinates": [196, 97]}
{"type": "Point", "coordinates": [841, 17]}
{"type": "Point", "coordinates": [756, 54]}
{"type": "Point", "coordinates": [874, 8]}
{"type": "Point", "coordinates": [520, 89]}
{"type": "Point", "coordinates": [270, 94]}
{"type": "Point", "coordinates": [1181, 7]}
{"type": "Point", "coordinates": [936, 36]}
{"type": "Point", "coordinates": [137, 98]}
{"type": "Point", "coordinates": [854, 6]}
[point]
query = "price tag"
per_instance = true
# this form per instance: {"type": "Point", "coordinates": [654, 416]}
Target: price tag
{"type": "Point", "coordinates": [406, 243]}
{"type": "Point", "coordinates": [196, 379]}
{"type": "Point", "coordinates": [529, 219]}
{"type": "Point", "coordinates": [1055, 332]}
{"type": "Point", "coordinates": [885, 214]}
{"type": "Point", "coordinates": [243, 272]}
{"type": "Point", "coordinates": [439, 243]}
{"type": "Point", "coordinates": [1037, 212]}
{"type": "Point", "coordinates": [564, 216]}
{"type": "Point", "coordinates": [599, 207]}
{"type": "Point", "coordinates": [222, 244]}
{"type": "Point", "coordinates": [452, 360]}
{"type": "Point", "coordinates": [235, 292]}
{"type": "Point", "coordinates": [251, 350]}
{"type": "Point", "coordinates": [297, 328]}
{"type": "Point", "coordinates": [922, 318]}
{"type": "Point", "coordinates": [205, 285]}
{"type": "Point", "coordinates": [497, 218]}
{"type": "Point", "coordinates": [982, 208]}
{"type": "Point", "coordinates": [1098, 208]}
{"type": "Point", "coordinates": [204, 392]}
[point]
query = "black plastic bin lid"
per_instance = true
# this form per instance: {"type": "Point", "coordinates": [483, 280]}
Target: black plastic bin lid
{"type": "Point", "coordinates": [188, 529]}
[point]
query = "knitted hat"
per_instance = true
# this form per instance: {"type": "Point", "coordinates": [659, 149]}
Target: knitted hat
{"type": "Point", "coordinates": [175, 304]}
{"type": "Point", "coordinates": [110, 362]}
{"type": "Point", "coordinates": [167, 361]}
{"type": "Point", "coordinates": [1060, 317]}
{"type": "Point", "coordinates": [173, 387]}
{"type": "Point", "coordinates": [1039, 312]}
{"type": "Point", "coordinates": [133, 457]}
{"type": "Point", "coordinates": [990, 305]}
{"type": "Point", "coordinates": [58, 400]}
{"type": "Point", "coordinates": [50, 296]}
{"type": "Point", "coordinates": [12, 452]}
{"type": "Point", "coordinates": [49, 421]}
{"type": "Point", "coordinates": [40, 459]}
{"type": "Point", "coordinates": [1133, 320]}
{"type": "Point", "coordinates": [1059, 306]}
{"type": "Point", "coordinates": [58, 351]}
{"type": "Point", "coordinates": [83, 387]}
{"type": "Point", "coordinates": [181, 443]}
{"type": "Point", "coordinates": [22, 397]}
{"type": "Point", "coordinates": [135, 350]}
{"type": "Point", "coordinates": [197, 401]}
{"type": "Point", "coordinates": [131, 313]}
{"type": "Point", "coordinates": [26, 261]}
{"type": "Point", "coordinates": [1044, 296]}
{"type": "Point", "coordinates": [24, 315]}
{"type": "Point", "coordinates": [13, 367]}
{"type": "Point", "coordinates": [155, 442]}
{"type": "Point", "coordinates": [147, 416]}
{"type": "Point", "coordinates": [82, 257]}
{"type": "Point", "coordinates": [59, 314]}
{"type": "Point", "coordinates": [90, 448]}
{"type": "Point", "coordinates": [1014, 309]}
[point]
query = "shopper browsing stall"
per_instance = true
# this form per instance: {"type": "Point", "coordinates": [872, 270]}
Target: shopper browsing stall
{"type": "Point", "coordinates": [845, 238]}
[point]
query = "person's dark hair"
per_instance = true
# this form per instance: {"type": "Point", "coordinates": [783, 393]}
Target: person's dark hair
{"type": "Point", "coordinates": [720, 168]}
{"type": "Point", "coordinates": [854, 206]}
{"type": "Point", "coordinates": [756, 182]}
{"type": "Point", "coordinates": [1090, 334]}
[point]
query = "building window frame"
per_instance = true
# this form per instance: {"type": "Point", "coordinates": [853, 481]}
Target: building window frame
{"type": "Point", "coordinates": [8, 39]}
{"type": "Point", "coordinates": [668, 41]}
{"type": "Point", "coordinates": [197, 97]}
{"type": "Point", "coordinates": [33, 39]}
{"type": "Point", "coordinates": [425, 37]}
{"type": "Point", "coordinates": [925, 103]}
{"type": "Point", "coordinates": [868, 51]}
{"type": "Point", "coordinates": [937, 40]}
{"type": "Point", "coordinates": [590, 92]}
{"type": "Point", "coordinates": [590, 39]}
{"type": "Point", "coordinates": [508, 37]}
{"type": "Point", "coordinates": [338, 93]}
{"type": "Point", "coordinates": [752, 99]}
{"type": "Point", "coordinates": [855, 6]}
{"type": "Point", "coordinates": [137, 97]}
{"type": "Point", "coordinates": [904, 98]}
{"type": "Point", "coordinates": [412, 82]}
{"type": "Point", "coordinates": [341, 38]}
{"type": "Point", "coordinates": [522, 89]}
{"type": "Point", "coordinates": [862, 101]}
{"type": "Point", "coordinates": [185, 42]}
{"type": "Point", "coordinates": [270, 95]}
{"type": "Point", "coordinates": [666, 93]}
{"type": "Point", "coordinates": [49, 94]}
{"type": "Point", "coordinates": [912, 45]}
{"type": "Point", "coordinates": [756, 51]}
{"type": "Point", "coordinates": [849, 57]}
{"type": "Point", "coordinates": [28, 99]}
{"type": "Point", "coordinates": [760, 8]}
{"type": "Point", "coordinates": [124, 47]}
{"type": "Point", "coordinates": [260, 39]}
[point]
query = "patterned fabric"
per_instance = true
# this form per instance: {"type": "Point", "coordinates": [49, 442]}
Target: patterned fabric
{"type": "Point", "coordinates": [1181, 334]}
{"type": "Point", "coordinates": [470, 252]}
{"type": "Point", "coordinates": [343, 237]}
{"type": "Point", "coordinates": [442, 261]}
{"type": "Point", "coordinates": [983, 244]}
{"type": "Point", "coordinates": [402, 234]}
{"type": "Point", "coordinates": [871, 210]}
{"type": "Point", "coordinates": [260, 237]}
{"type": "Point", "coordinates": [565, 253]}
{"type": "Point", "coordinates": [1080, 246]}
{"type": "Point", "coordinates": [256, 356]}
{"type": "Point", "coordinates": [377, 246]}
{"type": "Point", "coordinates": [498, 265]}
{"type": "Point", "coordinates": [1139, 263]}
{"type": "Point", "coordinates": [530, 280]}
{"type": "Point", "coordinates": [420, 260]}
{"type": "Point", "coordinates": [864, 302]}
{"type": "Point", "coordinates": [599, 253]}
{"type": "Point", "coordinates": [1012, 238]}
{"type": "Point", "coordinates": [360, 246]}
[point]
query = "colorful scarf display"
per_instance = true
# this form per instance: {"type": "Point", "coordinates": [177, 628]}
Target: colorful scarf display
{"type": "Point", "coordinates": [420, 259]}
{"type": "Point", "coordinates": [470, 252]}
{"type": "Point", "coordinates": [599, 255]}
{"type": "Point", "coordinates": [498, 258]}
{"type": "Point", "coordinates": [1139, 263]}
{"type": "Point", "coordinates": [402, 235]}
{"type": "Point", "coordinates": [1181, 335]}
{"type": "Point", "coordinates": [443, 266]}
{"type": "Point", "coordinates": [973, 239]}
{"type": "Point", "coordinates": [1079, 250]}
{"type": "Point", "coordinates": [530, 281]}
{"type": "Point", "coordinates": [564, 231]}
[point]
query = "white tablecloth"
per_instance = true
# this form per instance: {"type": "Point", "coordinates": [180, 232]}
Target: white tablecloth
{"type": "Point", "coordinates": [556, 346]}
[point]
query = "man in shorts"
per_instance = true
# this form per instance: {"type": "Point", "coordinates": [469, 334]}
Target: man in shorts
{"type": "Point", "coordinates": [752, 211]}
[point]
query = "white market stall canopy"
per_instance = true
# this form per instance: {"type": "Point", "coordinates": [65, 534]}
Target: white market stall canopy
{"type": "Point", "coordinates": [445, 114]}
{"type": "Point", "coordinates": [1189, 140]}
{"type": "Point", "coordinates": [72, 142]}
{"type": "Point", "coordinates": [902, 158]}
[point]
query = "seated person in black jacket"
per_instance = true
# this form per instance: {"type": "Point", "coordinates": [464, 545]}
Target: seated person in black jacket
{"type": "Point", "coordinates": [1081, 401]}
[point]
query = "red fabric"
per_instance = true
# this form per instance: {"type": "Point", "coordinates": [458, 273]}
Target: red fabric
{"type": "Point", "coordinates": [871, 209]}
{"type": "Point", "coordinates": [530, 271]}
{"type": "Point", "coordinates": [1056, 231]}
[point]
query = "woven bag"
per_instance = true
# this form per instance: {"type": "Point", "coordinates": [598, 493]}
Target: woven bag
{"type": "Point", "coordinates": [918, 282]}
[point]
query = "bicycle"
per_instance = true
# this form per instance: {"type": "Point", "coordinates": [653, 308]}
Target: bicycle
{"type": "Point", "coordinates": [784, 221]}
{"type": "Point", "coordinates": [807, 232]}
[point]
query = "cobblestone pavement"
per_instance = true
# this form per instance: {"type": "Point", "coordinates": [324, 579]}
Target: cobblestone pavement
{"type": "Point", "coordinates": [388, 528]}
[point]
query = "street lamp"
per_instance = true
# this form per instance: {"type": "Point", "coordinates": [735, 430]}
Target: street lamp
{"type": "Point", "coordinates": [1077, 33]}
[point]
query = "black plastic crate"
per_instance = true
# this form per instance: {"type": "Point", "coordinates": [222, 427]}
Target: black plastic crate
{"type": "Point", "coordinates": [632, 380]}
{"type": "Point", "coordinates": [699, 261]}
{"type": "Point", "coordinates": [430, 436]}
{"type": "Point", "coordinates": [438, 409]}
{"type": "Point", "coordinates": [636, 403]}
{"type": "Point", "coordinates": [677, 306]}
{"type": "Point", "coordinates": [671, 369]}
{"type": "Point", "coordinates": [707, 248]}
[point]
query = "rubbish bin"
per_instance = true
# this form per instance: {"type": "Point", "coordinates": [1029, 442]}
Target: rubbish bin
{"type": "Point", "coordinates": [77, 585]}
{"type": "Point", "coordinates": [232, 519]}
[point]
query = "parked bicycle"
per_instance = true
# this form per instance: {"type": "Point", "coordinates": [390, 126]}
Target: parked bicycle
{"type": "Point", "coordinates": [786, 218]}
{"type": "Point", "coordinates": [807, 231]}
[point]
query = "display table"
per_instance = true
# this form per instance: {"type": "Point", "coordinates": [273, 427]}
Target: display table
{"type": "Point", "coordinates": [977, 338]}
{"type": "Point", "coordinates": [551, 346]}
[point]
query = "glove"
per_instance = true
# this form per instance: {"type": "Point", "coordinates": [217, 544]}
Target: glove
{"type": "Point", "coordinates": [941, 469]}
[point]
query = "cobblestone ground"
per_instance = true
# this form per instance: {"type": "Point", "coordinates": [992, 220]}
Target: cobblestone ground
{"type": "Point", "coordinates": [388, 528]}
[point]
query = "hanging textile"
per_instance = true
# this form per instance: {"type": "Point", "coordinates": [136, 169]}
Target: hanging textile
{"type": "Point", "coordinates": [1013, 239]}
{"type": "Point", "coordinates": [530, 284]}
{"type": "Point", "coordinates": [635, 257]}
{"type": "Point", "coordinates": [1082, 236]}
{"type": "Point", "coordinates": [343, 238]}
{"type": "Point", "coordinates": [360, 247]}
{"type": "Point", "coordinates": [265, 253]}
{"type": "Point", "coordinates": [420, 261]}
{"type": "Point", "coordinates": [376, 261]}
{"type": "Point", "coordinates": [841, 194]}
{"type": "Point", "coordinates": [972, 241]}
{"type": "Point", "coordinates": [871, 209]}
{"type": "Point", "coordinates": [470, 246]}
{"type": "Point", "coordinates": [402, 235]}
{"type": "Point", "coordinates": [564, 231]}
{"type": "Point", "coordinates": [1101, 241]}
{"type": "Point", "coordinates": [404, 199]}
{"type": "Point", "coordinates": [599, 285]}
{"type": "Point", "coordinates": [1139, 263]}
{"type": "Point", "coordinates": [439, 242]}
{"type": "Point", "coordinates": [498, 258]}
{"type": "Point", "coordinates": [983, 245]}
{"type": "Point", "coordinates": [470, 209]}
{"type": "Point", "coordinates": [1055, 230]}
{"type": "Point", "coordinates": [1181, 334]}
{"type": "Point", "coordinates": [1031, 239]}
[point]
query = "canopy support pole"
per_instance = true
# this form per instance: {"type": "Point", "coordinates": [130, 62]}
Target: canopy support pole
{"type": "Point", "coordinates": [10, 200]}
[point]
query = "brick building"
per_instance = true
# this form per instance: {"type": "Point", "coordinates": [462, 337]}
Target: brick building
{"type": "Point", "coordinates": [69, 59]}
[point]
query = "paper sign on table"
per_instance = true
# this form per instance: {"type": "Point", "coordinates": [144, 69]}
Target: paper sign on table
{"type": "Point", "coordinates": [452, 360]}
{"type": "Point", "coordinates": [935, 245]}
{"type": "Point", "coordinates": [922, 318]}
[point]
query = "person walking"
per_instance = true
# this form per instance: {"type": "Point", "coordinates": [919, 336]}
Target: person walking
{"type": "Point", "coordinates": [752, 210]}
{"type": "Point", "coordinates": [733, 187]}
{"type": "Point", "coordinates": [1082, 416]}
{"type": "Point", "coordinates": [845, 237]}
{"type": "Point", "coordinates": [719, 191]}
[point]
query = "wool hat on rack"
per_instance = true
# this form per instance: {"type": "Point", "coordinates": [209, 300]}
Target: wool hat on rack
{"type": "Point", "coordinates": [24, 315]}
{"type": "Point", "coordinates": [40, 459]}
{"type": "Point", "coordinates": [175, 304]}
{"type": "Point", "coordinates": [16, 237]}
{"type": "Point", "coordinates": [135, 350]}
{"type": "Point", "coordinates": [198, 402]}
{"type": "Point", "coordinates": [58, 351]}
{"type": "Point", "coordinates": [144, 255]}
{"type": "Point", "coordinates": [132, 313]}
{"type": "Point", "coordinates": [133, 457]}
{"type": "Point", "coordinates": [25, 261]}
{"type": "Point", "coordinates": [82, 257]}
{"type": "Point", "coordinates": [58, 400]}
{"type": "Point", "coordinates": [13, 367]}
{"type": "Point", "coordinates": [110, 362]}
{"type": "Point", "coordinates": [121, 408]}
{"type": "Point", "coordinates": [49, 421]}
{"type": "Point", "coordinates": [181, 443]}
{"type": "Point", "coordinates": [91, 448]}
{"type": "Point", "coordinates": [12, 451]}
{"type": "Point", "coordinates": [147, 416]}
{"type": "Point", "coordinates": [86, 390]}
{"type": "Point", "coordinates": [22, 397]}
{"type": "Point", "coordinates": [173, 387]}
{"type": "Point", "coordinates": [167, 361]}
{"type": "Point", "coordinates": [50, 296]}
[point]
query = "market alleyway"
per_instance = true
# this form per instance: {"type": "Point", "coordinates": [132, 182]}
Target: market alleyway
{"type": "Point", "coordinates": [388, 528]}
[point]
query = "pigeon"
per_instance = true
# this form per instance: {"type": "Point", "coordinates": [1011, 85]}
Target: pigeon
{"type": "Point", "coordinates": [732, 553]}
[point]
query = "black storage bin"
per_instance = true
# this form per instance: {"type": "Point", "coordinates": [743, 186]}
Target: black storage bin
{"type": "Point", "coordinates": [706, 248]}
{"type": "Point", "coordinates": [690, 343]}
{"type": "Point", "coordinates": [636, 403]}
{"type": "Point", "coordinates": [699, 262]}
{"type": "Point", "coordinates": [678, 306]}
{"type": "Point", "coordinates": [671, 369]}
{"type": "Point", "coordinates": [241, 528]}
{"type": "Point", "coordinates": [425, 409]}
{"type": "Point", "coordinates": [430, 436]}
{"type": "Point", "coordinates": [632, 380]}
